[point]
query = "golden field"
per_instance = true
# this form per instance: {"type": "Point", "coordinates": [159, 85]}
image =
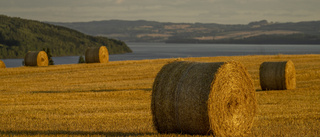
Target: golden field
{"type": "Point", "coordinates": [113, 99]}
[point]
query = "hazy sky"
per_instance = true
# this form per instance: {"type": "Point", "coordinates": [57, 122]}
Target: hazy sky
{"type": "Point", "coordinates": [205, 11]}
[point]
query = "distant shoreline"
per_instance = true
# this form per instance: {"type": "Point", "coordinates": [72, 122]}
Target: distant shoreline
{"type": "Point", "coordinates": [243, 43]}
{"type": "Point", "coordinates": [262, 39]}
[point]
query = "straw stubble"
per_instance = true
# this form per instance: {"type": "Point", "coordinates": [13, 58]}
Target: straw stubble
{"type": "Point", "coordinates": [203, 98]}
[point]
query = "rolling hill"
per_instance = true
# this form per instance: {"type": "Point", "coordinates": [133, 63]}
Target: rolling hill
{"type": "Point", "coordinates": [259, 32]}
{"type": "Point", "coordinates": [18, 36]}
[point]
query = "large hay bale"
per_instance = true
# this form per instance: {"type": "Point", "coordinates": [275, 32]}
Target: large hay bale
{"type": "Point", "coordinates": [203, 98]}
{"type": "Point", "coordinates": [97, 55]}
{"type": "Point", "coordinates": [36, 58]}
{"type": "Point", "coordinates": [2, 65]}
{"type": "Point", "coordinates": [277, 75]}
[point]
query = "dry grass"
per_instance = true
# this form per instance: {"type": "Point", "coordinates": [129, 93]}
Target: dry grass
{"type": "Point", "coordinates": [114, 99]}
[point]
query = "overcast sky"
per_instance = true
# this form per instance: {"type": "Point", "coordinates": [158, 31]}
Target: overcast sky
{"type": "Point", "coordinates": [191, 11]}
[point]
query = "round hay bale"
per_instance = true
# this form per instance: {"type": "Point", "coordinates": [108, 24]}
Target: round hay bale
{"type": "Point", "coordinates": [277, 75]}
{"type": "Point", "coordinates": [203, 98]}
{"type": "Point", "coordinates": [97, 55]}
{"type": "Point", "coordinates": [36, 58]}
{"type": "Point", "coordinates": [2, 65]}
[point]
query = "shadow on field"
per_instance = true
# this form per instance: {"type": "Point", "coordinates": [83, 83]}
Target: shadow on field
{"type": "Point", "coordinates": [50, 92]}
{"type": "Point", "coordinates": [71, 133]}
{"type": "Point", "coordinates": [102, 90]}
{"type": "Point", "coordinates": [112, 90]}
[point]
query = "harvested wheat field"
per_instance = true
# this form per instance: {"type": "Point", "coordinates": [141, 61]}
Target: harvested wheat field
{"type": "Point", "coordinates": [114, 99]}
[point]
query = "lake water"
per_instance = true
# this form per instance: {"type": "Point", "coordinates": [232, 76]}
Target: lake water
{"type": "Point", "coordinates": [163, 50]}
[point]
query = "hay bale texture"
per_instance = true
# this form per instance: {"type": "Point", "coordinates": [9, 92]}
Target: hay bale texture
{"type": "Point", "coordinates": [203, 98]}
{"type": "Point", "coordinates": [36, 58]}
{"type": "Point", "coordinates": [277, 75]}
{"type": "Point", "coordinates": [97, 55]}
{"type": "Point", "coordinates": [2, 65]}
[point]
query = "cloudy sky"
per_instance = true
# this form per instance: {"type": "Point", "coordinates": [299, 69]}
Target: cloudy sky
{"type": "Point", "coordinates": [191, 11]}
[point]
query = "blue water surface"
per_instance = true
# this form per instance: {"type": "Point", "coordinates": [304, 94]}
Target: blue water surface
{"type": "Point", "coordinates": [162, 50]}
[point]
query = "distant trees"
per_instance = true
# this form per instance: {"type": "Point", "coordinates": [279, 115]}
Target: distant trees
{"type": "Point", "coordinates": [81, 60]}
{"type": "Point", "coordinates": [18, 36]}
{"type": "Point", "coordinates": [255, 23]}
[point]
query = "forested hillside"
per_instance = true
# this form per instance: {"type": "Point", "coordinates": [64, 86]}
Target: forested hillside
{"type": "Point", "coordinates": [18, 36]}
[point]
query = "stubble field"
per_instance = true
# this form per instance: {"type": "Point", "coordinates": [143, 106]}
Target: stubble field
{"type": "Point", "coordinates": [114, 99]}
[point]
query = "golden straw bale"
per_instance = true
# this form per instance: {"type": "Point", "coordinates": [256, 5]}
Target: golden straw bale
{"type": "Point", "coordinates": [2, 65]}
{"type": "Point", "coordinates": [203, 98]}
{"type": "Point", "coordinates": [36, 58]}
{"type": "Point", "coordinates": [277, 75]}
{"type": "Point", "coordinates": [97, 55]}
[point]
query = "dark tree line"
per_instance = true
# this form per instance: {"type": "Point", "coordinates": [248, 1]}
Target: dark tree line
{"type": "Point", "coordinates": [18, 36]}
